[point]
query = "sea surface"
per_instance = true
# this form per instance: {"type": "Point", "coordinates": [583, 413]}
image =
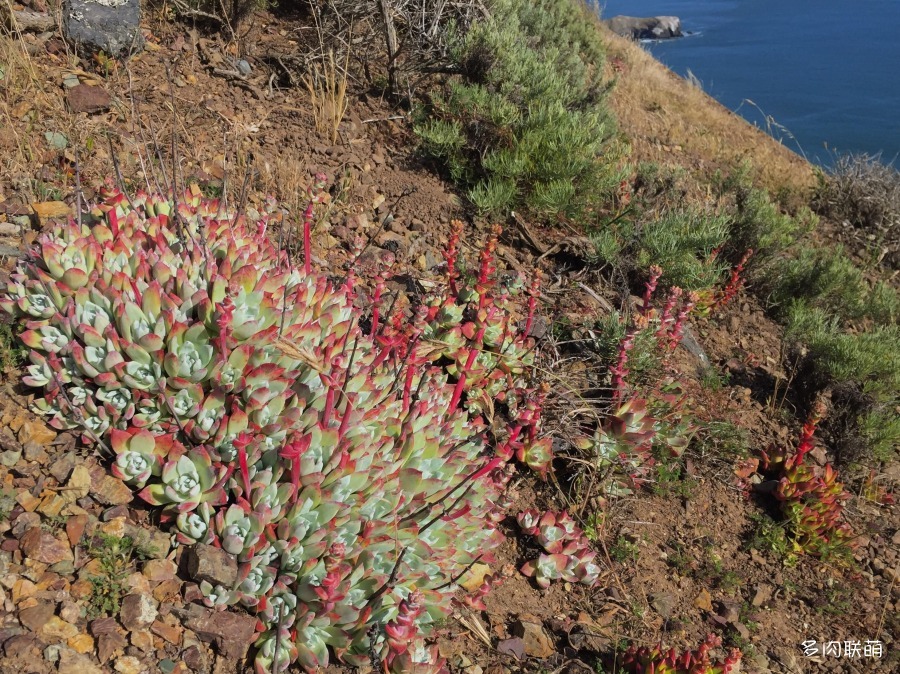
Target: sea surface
{"type": "Point", "coordinates": [823, 76]}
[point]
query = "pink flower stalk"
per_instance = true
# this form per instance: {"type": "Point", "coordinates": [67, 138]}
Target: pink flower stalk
{"type": "Point", "coordinates": [402, 630]}
{"type": "Point", "coordinates": [677, 331]}
{"type": "Point", "coordinates": [619, 370]}
{"type": "Point", "coordinates": [735, 281]}
{"type": "Point", "coordinates": [486, 268]}
{"type": "Point", "coordinates": [376, 302]}
{"type": "Point", "coordinates": [650, 288]}
{"type": "Point", "coordinates": [470, 361]}
{"type": "Point", "coordinates": [666, 318]}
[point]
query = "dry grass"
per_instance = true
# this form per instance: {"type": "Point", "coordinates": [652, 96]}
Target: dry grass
{"type": "Point", "coordinates": [671, 121]}
{"type": "Point", "coordinates": [327, 86]}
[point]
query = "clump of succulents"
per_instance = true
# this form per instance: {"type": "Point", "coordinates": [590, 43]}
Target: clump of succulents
{"type": "Point", "coordinates": [655, 660]}
{"type": "Point", "coordinates": [568, 552]}
{"type": "Point", "coordinates": [811, 497]}
{"type": "Point", "coordinates": [641, 421]}
{"type": "Point", "coordinates": [347, 470]}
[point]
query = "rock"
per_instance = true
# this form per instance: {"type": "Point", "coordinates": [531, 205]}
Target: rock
{"type": "Point", "coordinates": [138, 611]}
{"type": "Point", "coordinates": [35, 452]}
{"type": "Point", "coordinates": [142, 640]}
{"type": "Point", "coordinates": [57, 629]}
{"type": "Point", "coordinates": [650, 28]}
{"type": "Point", "coordinates": [110, 644]}
{"type": "Point", "coordinates": [63, 467]}
{"type": "Point", "coordinates": [729, 611]}
{"type": "Point", "coordinates": [194, 658]}
{"type": "Point", "coordinates": [763, 594]}
{"type": "Point", "coordinates": [75, 527]}
{"type": "Point", "coordinates": [742, 630]}
{"type": "Point", "coordinates": [213, 565]}
{"type": "Point", "coordinates": [704, 601]}
{"type": "Point", "coordinates": [111, 26]}
{"type": "Point", "coordinates": [37, 431]}
{"type": "Point", "coordinates": [42, 546]}
{"type": "Point", "coordinates": [79, 484]}
{"type": "Point", "coordinates": [514, 647]}
{"type": "Point", "coordinates": [171, 633]}
{"type": "Point", "coordinates": [81, 643]}
{"type": "Point", "coordinates": [168, 591]}
{"type": "Point", "coordinates": [22, 646]}
{"type": "Point", "coordinates": [109, 490]}
{"type": "Point", "coordinates": [231, 632]}
{"type": "Point", "coordinates": [51, 210]}
{"type": "Point", "coordinates": [25, 522]}
{"type": "Point", "coordinates": [663, 603]}
{"type": "Point", "coordinates": [36, 617]}
{"type": "Point", "coordinates": [536, 642]}
{"type": "Point", "coordinates": [159, 570]}
{"type": "Point", "coordinates": [10, 457]}
{"type": "Point", "coordinates": [128, 664]}
{"type": "Point", "coordinates": [88, 99]}
{"type": "Point", "coordinates": [70, 612]}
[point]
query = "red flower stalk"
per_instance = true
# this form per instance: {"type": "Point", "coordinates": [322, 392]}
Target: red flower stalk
{"type": "Point", "coordinates": [666, 317]}
{"type": "Point", "coordinates": [809, 428]}
{"type": "Point", "coordinates": [735, 281]}
{"type": "Point", "coordinates": [650, 288]}
{"type": "Point", "coordinates": [677, 331]}
{"type": "Point", "coordinates": [619, 370]}
{"type": "Point", "coordinates": [376, 303]}
{"type": "Point", "coordinates": [486, 268]}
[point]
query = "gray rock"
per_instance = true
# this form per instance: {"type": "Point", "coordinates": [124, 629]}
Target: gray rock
{"type": "Point", "coordinates": [650, 28]}
{"type": "Point", "coordinates": [112, 26]}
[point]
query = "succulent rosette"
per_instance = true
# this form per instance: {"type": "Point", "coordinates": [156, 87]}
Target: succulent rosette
{"type": "Point", "coordinates": [347, 467]}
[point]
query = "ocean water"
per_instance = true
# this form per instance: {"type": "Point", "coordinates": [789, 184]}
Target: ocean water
{"type": "Point", "coordinates": [823, 76]}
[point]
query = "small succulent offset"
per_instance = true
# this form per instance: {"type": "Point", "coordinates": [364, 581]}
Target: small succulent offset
{"type": "Point", "coordinates": [811, 497]}
{"type": "Point", "coordinates": [569, 556]}
{"type": "Point", "coordinates": [654, 660]}
{"type": "Point", "coordinates": [352, 473]}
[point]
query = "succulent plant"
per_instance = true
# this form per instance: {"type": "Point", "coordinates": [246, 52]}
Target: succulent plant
{"type": "Point", "coordinates": [811, 497]}
{"type": "Point", "coordinates": [353, 473]}
{"type": "Point", "coordinates": [569, 555]}
{"type": "Point", "coordinates": [654, 660]}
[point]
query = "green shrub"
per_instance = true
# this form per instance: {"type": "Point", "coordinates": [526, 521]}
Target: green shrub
{"type": "Point", "coordinates": [682, 243]}
{"type": "Point", "coordinates": [525, 124]}
{"type": "Point", "coordinates": [827, 279]}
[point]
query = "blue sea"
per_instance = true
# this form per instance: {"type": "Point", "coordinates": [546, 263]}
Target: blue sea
{"type": "Point", "coordinates": [823, 76]}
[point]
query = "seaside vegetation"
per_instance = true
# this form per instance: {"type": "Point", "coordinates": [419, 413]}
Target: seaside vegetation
{"type": "Point", "coordinates": [526, 125]}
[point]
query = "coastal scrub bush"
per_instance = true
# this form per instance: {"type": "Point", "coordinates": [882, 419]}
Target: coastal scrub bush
{"type": "Point", "coordinates": [684, 243]}
{"type": "Point", "coordinates": [347, 469]}
{"type": "Point", "coordinates": [525, 123]}
{"type": "Point", "coordinates": [827, 279]}
{"type": "Point", "coordinates": [864, 370]}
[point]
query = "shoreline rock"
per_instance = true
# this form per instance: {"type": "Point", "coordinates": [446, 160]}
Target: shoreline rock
{"type": "Point", "coordinates": [649, 28]}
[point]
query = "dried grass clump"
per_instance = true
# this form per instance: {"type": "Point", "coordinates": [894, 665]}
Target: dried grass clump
{"type": "Point", "coordinates": [863, 190]}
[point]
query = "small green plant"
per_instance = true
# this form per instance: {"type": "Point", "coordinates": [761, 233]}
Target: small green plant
{"type": "Point", "coordinates": [724, 439]}
{"type": "Point", "coordinates": [671, 481]}
{"type": "Point", "coordinates": [624, 550]}
{"type": "Point", "coordinates": [115, 555]}
{"type": "Point", "coordinates": [7, 503]}
{"type": "Point", "coordinates": [11, 353]}
{"type": "Point", "coordinates": [54, 523]}
{"type": "Point", "coordinates": [770, 536]}
{"type": "Point", "coordinates": [679, 559]}
{"type": "Point", "coordinates": [712, 379]}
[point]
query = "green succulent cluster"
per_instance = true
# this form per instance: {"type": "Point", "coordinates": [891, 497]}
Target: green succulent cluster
{"type": "Point", "coordinates": [345, 470]}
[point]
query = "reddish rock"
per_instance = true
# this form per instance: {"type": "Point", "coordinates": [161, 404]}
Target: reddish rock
{"type": "Point", "coordinates": [36, 617]}
{"type": "Point", "coordinates": [232, 633]}
{"type": "Point", "coordinates": [43, 547]}
{"type": "Point", "coordinates": [159, 570]}
{"type": "Point", "coordinates": [103, 626]}
{"type": "Point", "coordinates": [213, 565]}
{"type": "Point", "coordinates": [168, 591]}
{"type": "Point", "coordinates": [84, 98]}
{"type": "Point", "coordinates": [75, 526]}
{"type": "Point", "coordinates": [194, 658]}
{"type": "Point", "coordinates": [536, 642]}
{"type": "Point", "coordinates": [108, 490]}
{"type": "Point", "coordinates": [138, 611]}
{"type": "Point", "coordinates": [109, 645]}
{"type": "Point", "coordinates": [22, 646]}
{"type": "Point", "coordinates": [171, 633]}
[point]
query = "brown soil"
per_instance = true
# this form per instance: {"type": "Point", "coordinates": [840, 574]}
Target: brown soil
{"type": "Point", "coordinates": [677, 556]}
